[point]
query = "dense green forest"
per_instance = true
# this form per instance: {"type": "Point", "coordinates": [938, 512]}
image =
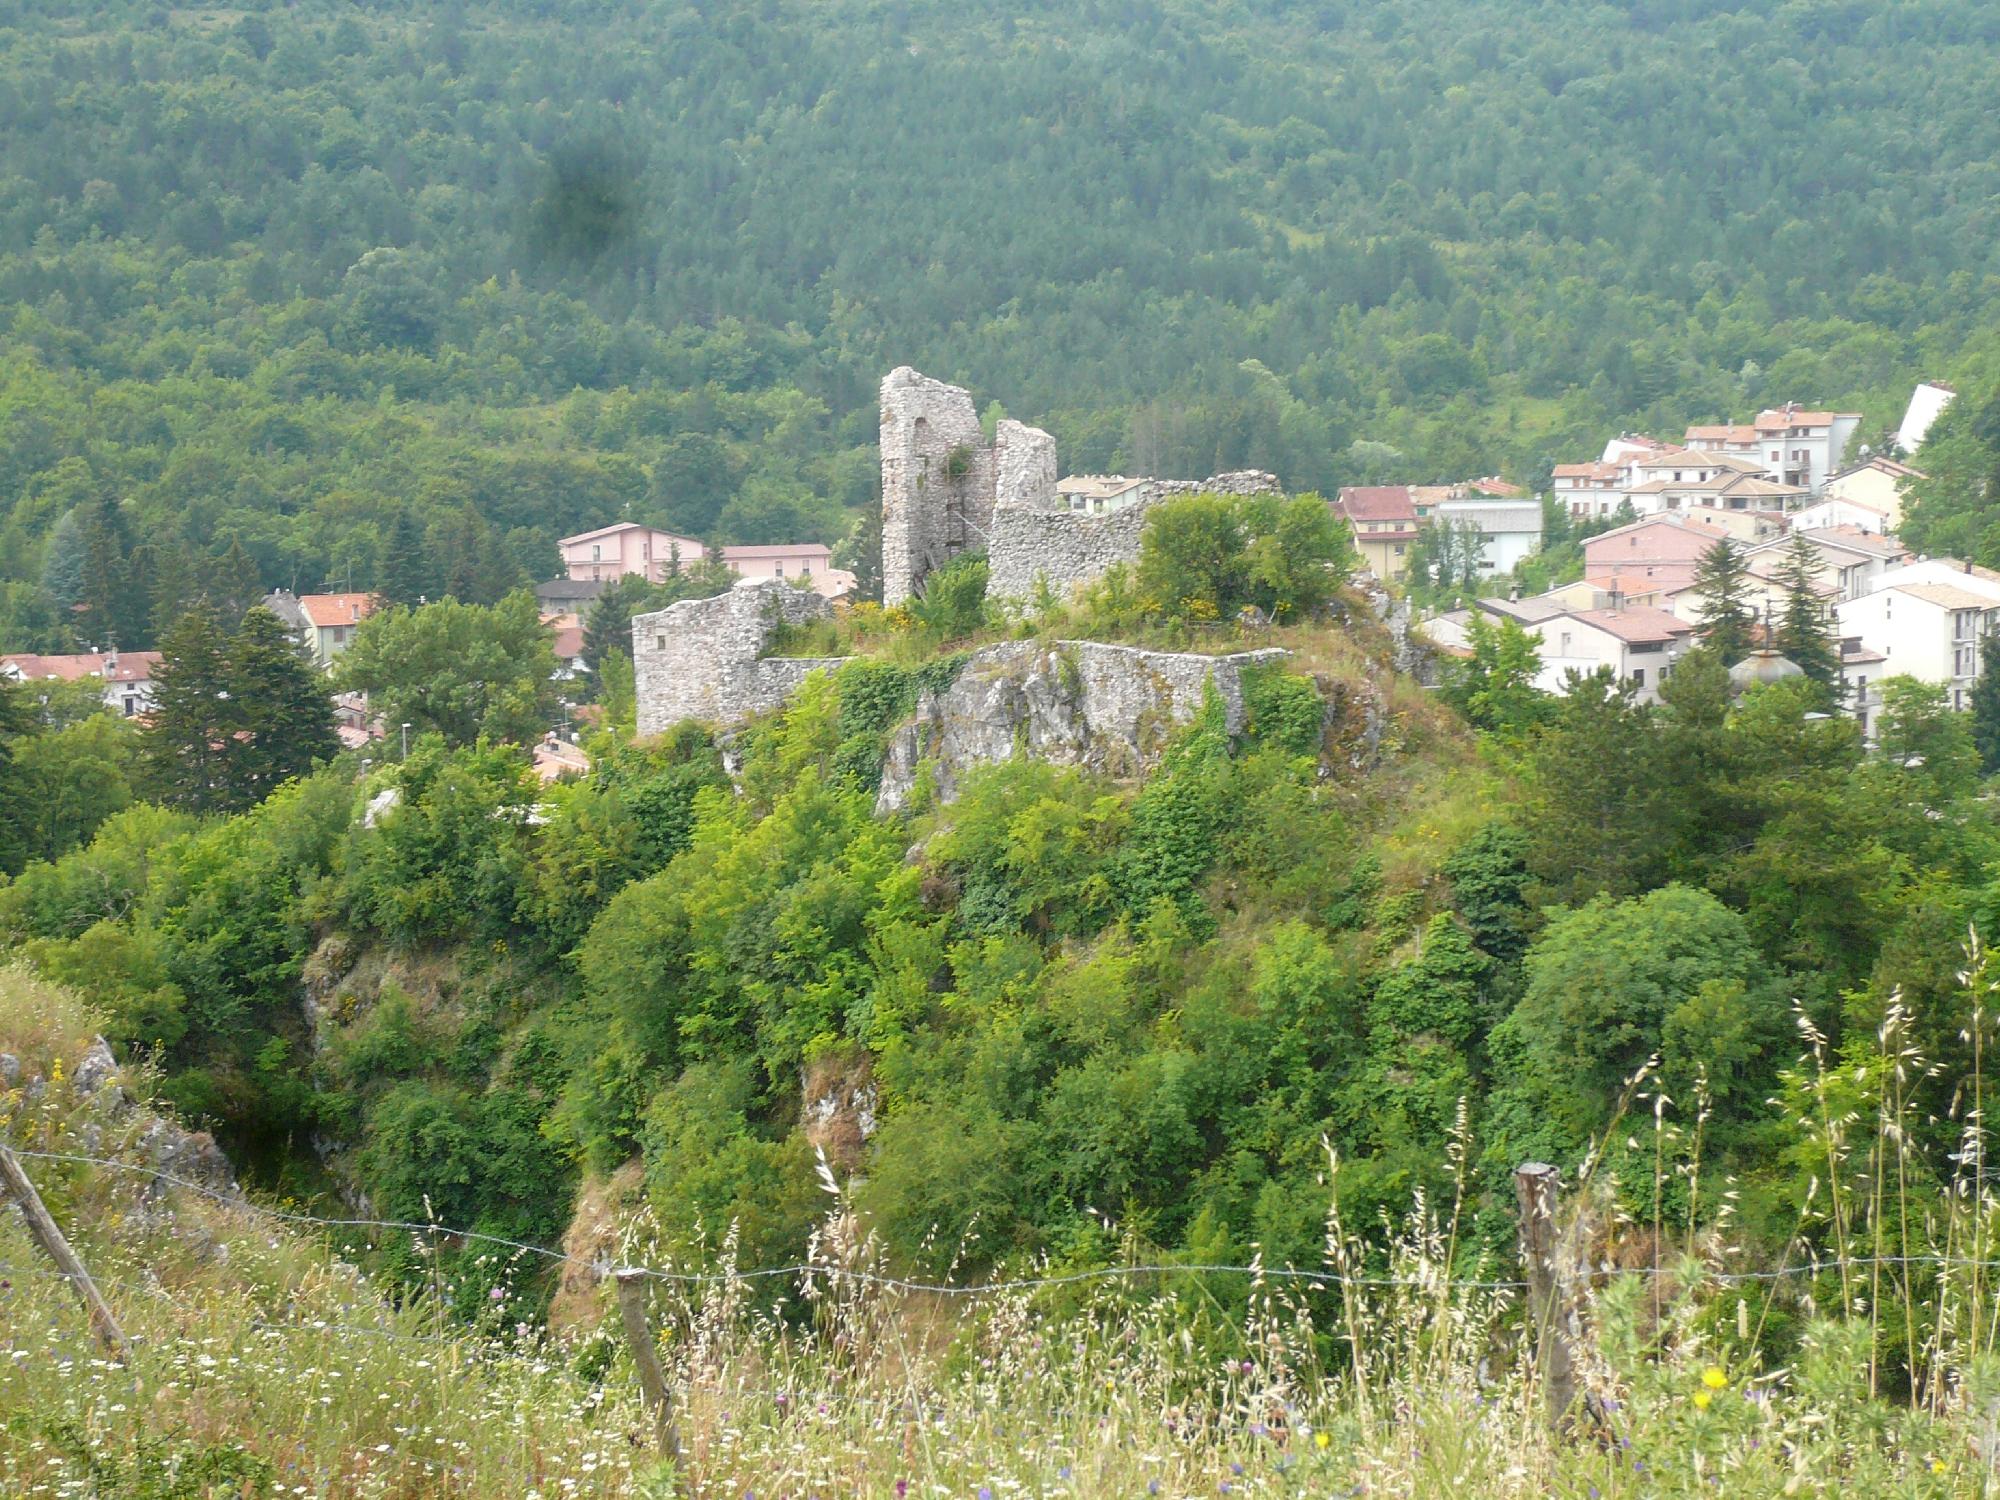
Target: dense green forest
{"type": "Point", "coordinates": [300, 293]}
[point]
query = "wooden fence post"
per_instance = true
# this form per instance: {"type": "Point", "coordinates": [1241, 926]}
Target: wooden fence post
{"type": "Point", "coordinates": [50, 1238]}
{"type": "Point", "coordinates": [646, 1355]}
{"type": "Point", "coordinates": [1536, 1185]}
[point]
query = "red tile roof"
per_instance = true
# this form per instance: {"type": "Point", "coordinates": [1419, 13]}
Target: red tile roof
{"type": "Point", "coordinates": [130, 666]}
{"type": "Point", "coordinates": [1378, 502]}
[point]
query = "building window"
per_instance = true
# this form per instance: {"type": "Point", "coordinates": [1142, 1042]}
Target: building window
{"type": "Point", "coordinates": [659, 643]}
{"type": "Point", "coordinates": [596, 552]}
{"type": "Point", "coordinates": [1399, 549]}
{"type": "Point", "coordinates": [1638, 677]}
{"type": "Point", "coordinates": [779, 567]}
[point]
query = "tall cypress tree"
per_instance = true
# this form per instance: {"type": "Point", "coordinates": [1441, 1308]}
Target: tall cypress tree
{"type": "Point", "coordinates": [1803, 633]}
{"type": "Point", "coordinates": [237, 585]}
{"type": "Point", "coordinates": [1722, 583]}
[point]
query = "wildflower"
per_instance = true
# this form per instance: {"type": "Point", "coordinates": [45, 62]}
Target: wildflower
{"type": "Point", "coordinates": [1714, 1378]}
{"type": "Point", "coordinates": [1937, 1466]}
{"type": "Point", "coordinates": [497, 1295]}
{"type": "Point", "coordinates": [1702, 1399]}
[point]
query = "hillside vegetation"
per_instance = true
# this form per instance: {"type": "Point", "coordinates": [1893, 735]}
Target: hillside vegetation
{"type": "Point", "coordinates": [264, 1365]}
{"type": "Point", "coordinates": [391, 296]}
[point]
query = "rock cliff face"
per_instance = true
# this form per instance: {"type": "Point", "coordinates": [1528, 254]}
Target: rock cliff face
{"type": "Point", "coordinates": [1107, 708]}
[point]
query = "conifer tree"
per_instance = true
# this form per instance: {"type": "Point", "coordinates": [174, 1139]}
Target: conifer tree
{"type": "Point", "coordinates": [193, 714]}
{"type": "Point", "coordinates": [285, 712]}
{"type": "Point", "coordinates": [407, 576]}
{"type": "Point", "coordinates": [1803, 634]}
{"type": "Point", "coordinates": [1985, 704]}
{"type": "Point", "coordinates": [236, 584]}
{"type": "Point", "coordinates": [608, 626]}
{"type": "Point", "coordinates": [176, 587]}
{"type": "Point", "coordinates": [1722, 583]}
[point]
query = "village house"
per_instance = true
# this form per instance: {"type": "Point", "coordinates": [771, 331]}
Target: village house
{"type": "Point", "coordinates": [1638, 643]}
{"type": "Point", "coordinates": [1589, 491]}
{"type": "Point", "coordinates": [1868, 494]}
{"type": "Point", "coordinates": [1927, 620]}
{"type": "Point", "coordinates": [610, 552]}
{"type": "Point", "coordinates": [1851, 562]}
{"type": "Point", "coordinates": [1660, 550]}
{"type": "Point", "coordinates": [1509, 530]}
{"type": "Point", "coordinates": [323, 623]}
{"type": "Point", "coordinates": [810, 562]}
{"type": "Point", "coordinates": [1383, 518]}
{"type": "Point", "coordinates": [1794, 446]}
{"type": "Point", "coordinates": [1099, 494]}
{"type": "Point", "coordinates": [126, 676]}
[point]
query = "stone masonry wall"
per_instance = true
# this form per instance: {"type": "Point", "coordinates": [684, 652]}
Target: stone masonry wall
{"type": "Point", "coordinates": [700, 658]}
{"type": "Point", "coordinates": [1065, 549]}
{"type": "Point", "coordinates": [1083, 703]}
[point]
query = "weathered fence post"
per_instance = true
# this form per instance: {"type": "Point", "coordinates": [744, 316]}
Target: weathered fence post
{"type": "Point", "coordinates": [50, 1238]}
{"type": "Point", "coordinates": [646, 1356]}
{"type": "Point", "coordinates": [1536, 1186]}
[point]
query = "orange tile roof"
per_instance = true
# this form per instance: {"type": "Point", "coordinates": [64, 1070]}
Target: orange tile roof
{"type": "Point", "coordinates": [323, 611]}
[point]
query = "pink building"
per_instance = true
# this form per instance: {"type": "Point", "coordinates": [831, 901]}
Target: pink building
{"type": "Point", "coordinates": [812, 561]}
{"type": "Point", "coordinates": [610, 552]}
{"type": "Point", "coordinates": [1661, 551]}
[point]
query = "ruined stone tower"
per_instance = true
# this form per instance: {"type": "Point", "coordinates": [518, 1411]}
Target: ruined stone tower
{"type": "Point", "coordinates": [941, 483]}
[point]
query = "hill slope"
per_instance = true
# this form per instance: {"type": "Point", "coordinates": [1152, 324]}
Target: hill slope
{"type": "Point", "coordinates": [347, 284]}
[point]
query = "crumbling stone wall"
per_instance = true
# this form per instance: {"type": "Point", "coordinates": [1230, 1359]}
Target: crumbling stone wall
{"type": "Point", "coordinates": [702, 658]}
{"type": "Point", "coordinates": [1107, 708]}
{"type": "Point", "coordinates": [1035, 545]}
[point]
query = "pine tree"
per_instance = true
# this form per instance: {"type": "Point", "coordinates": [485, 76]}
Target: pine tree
{"type": "Point", "coordinates": [193, 716]}
{"type": "Point", "coordinates": [177, 587]}
{"type": "Point", "coordinates": [1803, 634]}
{"type": "Point", "coordinates": [407, 577]}
{"type": "Point", "coordinates": [1985, 704]}
{"type": "Point", "coordinates": [1722, 583]}
{"type": "Point", "coordinates": [113, 612]}
{"type": "Point", "coordinates": [236, 585]}
{"type": "Point", "coordinates": [285, 714]}
{"type": "Point", "coordinates": [608, 626]}
{"type": "Point", "coordinates": [63, 561]}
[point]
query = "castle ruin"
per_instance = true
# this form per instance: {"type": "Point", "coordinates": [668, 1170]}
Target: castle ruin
{"type": "Point", "coordinates": [944, 492]}
{"type": "Point", "coordinates": [703, 658]}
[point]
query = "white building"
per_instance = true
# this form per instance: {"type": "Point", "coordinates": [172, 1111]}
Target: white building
{"type": "Point", "coordinates": [1639, 644]}
{"type": "Point", "coordinates": [1509, 530]}
{"type": "Point", "coordinates": [1099, 494]}
{"type": "Point", "coordinates": [1795, 446]}
{"type": "Point", "coordinates": [1926, 619]}
{"type": "Point", "coordinates": [1927, 404]}
{"type": "Point", "coordinates": [1589, 491]}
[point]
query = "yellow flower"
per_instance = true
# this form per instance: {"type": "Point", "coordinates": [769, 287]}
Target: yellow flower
{"type": "Point", "coordinates": [1713, 1378]}
{"type": "Point", "coordinates": [1701, 1400]}
{"type": "Point", "coordinates": [1937, 1466]}
{"type": "Point", "coordinates": [1322, 1440]}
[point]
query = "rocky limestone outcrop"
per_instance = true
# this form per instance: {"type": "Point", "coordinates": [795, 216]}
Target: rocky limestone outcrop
{"type": "Point", "coordinates": [1109, 709]}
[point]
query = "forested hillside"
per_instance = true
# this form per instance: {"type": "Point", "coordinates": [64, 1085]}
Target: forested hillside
{"type": "Point", "coordinates": [336, 285]}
